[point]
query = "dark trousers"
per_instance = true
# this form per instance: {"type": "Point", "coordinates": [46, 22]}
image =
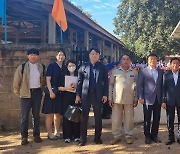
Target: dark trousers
{"type": "Point", "coordinates": [154, 109]}
{"type": "Point", "coordinates": [26, 104]}
{"type": "Point", "coordinates": [170, 111]}
{"type": "Point", "coordinates": [97, 107]}
{"type": "Point", "coordinates": [70, 129]}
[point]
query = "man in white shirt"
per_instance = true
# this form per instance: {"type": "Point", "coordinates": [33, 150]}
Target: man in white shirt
{"type": "Point", "coordinates": [171, 98]}
{"type": "Point", "coordinates": [28, 83]}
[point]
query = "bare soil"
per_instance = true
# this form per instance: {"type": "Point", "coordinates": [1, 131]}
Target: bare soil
{"type": "Point", "coordinates": [10, 144]}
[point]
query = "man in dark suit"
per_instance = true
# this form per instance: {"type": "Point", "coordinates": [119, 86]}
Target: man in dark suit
{"type": "Point", "coordinates": [171, 98]}
{"type": "Point", "coordinates": [150, 95]}
{"type": "Point", "coordinates": [92, 90]}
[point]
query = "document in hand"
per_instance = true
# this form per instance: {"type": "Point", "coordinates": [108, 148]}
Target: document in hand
{"type": "Point", "coordinates": [69, 80]}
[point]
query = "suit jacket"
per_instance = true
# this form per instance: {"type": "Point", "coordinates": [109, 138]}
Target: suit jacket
{"type": "Point", "coordinates": [171, 92]}
{"type": "Point", "coordinates": [101, 81]}
{"type": "Point", "coordinates": [147, 88]}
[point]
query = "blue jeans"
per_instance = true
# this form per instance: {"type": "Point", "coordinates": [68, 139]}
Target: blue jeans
{"type": "Point", "coordinates": [26, 104]}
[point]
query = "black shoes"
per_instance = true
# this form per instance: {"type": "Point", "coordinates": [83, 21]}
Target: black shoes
{"type": "Point", "coordinates": [169, 142]}
{"type": "Point", "coordinates": [178, 140]}
{"type": "Point", "coordinates": [148, 140]}
{"type": "Point", "coordinates": [24, 141]}
{"type": "Point", "coordinates": [82, 143]}
{"type": "Point", "coordinates": [156, 140]}
{"type": "Point", "coordinates": [98, 141]}
{"type": "Point", "coordinates": [37, 139]}
{"type": "Point", "coordinates": [106, 117]}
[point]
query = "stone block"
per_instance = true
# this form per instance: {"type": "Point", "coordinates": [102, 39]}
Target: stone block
{"type": "Point", "coordinates": [6, 88]}
{"type": "Point", "coordinates": [51, 54]}
{"type": "Point", "coordinates": [6, 79]}
{"type": "Point", "coordinates": [7, 70]}
{"type": "Point", "coordinates": [9, 119]}
{"type": "Point", "coordinates": [13, 101]}
{"type": "Point", "coordinates": [43, 55]}
{"type": "Point", "coordinates": [4, 101]}
{"type": "Point", "coordinates": [20, 54]}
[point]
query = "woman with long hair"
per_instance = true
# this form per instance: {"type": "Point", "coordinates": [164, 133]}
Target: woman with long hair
{"type": "Point", "coordinates": [53, 101]}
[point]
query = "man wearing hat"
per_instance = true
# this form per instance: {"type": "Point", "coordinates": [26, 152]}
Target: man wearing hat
{"type": "Point", "coordinates": [28, 83]}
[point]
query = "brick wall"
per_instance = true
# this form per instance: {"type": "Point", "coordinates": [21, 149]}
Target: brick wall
{"type": "Point", "coordinates": [11, 56]}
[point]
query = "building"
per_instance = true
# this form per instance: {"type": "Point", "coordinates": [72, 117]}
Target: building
{"type": "Point", "coordinates": [31, 22]}
{"type": "Point", "coordinates": [30, 25]}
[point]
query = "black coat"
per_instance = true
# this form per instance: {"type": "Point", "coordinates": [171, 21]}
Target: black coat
{"type": "Point", "coordinates": [101, 81]}
{"type": "Point", "coordinates": [171, 92]}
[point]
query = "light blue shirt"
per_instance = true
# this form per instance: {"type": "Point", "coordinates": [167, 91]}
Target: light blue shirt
{"type": "Point", "coordinates": [175, 76]}
{"type": "Point", "coordinates": [154, 73]}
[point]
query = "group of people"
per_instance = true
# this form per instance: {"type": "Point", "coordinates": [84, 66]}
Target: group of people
{"type": "Point", "coordinates": [124, 89]}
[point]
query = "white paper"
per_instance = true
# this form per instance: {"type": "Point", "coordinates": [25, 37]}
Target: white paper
{"type": "Point", "coordinates": [69, 80]}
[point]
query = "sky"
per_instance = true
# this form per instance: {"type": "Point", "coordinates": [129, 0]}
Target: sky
{"type": "Point", "coordinates": [103, 11]}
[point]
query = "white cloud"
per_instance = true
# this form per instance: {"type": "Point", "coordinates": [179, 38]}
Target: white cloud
{"type": "Point", "coordinates": [97, 1]}
{"type": "Point", "coordinates": [107, 5]}
{"type": "Point", "coordinates": [99, 6]}
{"type": "Point", "coordinates": [102, 13]}
{"type": "Point", "coordinates": [88, 10]}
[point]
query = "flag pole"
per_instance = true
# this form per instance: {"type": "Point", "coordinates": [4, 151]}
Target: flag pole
{"type": "Point", "coordinates": [61, 34]}
{"type": "Point", "coordinates": [5, 32]}
{"type": "Point", "coordinates": [5, 24]}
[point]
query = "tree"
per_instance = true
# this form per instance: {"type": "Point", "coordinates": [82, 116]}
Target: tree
{"type": "Point", "coordinates": [145, 26]}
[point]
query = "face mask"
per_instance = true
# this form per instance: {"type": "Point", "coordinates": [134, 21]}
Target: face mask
{"type": "Point", "coordinates": [72, 69]}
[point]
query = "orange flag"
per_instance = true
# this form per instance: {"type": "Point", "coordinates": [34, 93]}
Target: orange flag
{"type": "Point", "coordinates": [58, 13]}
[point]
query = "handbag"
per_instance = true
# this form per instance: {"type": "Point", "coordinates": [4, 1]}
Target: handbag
{"type": "Point", "coordinates": [54, 89]}
{"type": "Point", "coordinates": [74, 113]}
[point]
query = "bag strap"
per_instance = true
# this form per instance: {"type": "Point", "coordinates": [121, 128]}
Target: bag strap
{"type": "Point", "coordinates": [23, 65]}
{"type": "Point", "coordinates": [44, 68]}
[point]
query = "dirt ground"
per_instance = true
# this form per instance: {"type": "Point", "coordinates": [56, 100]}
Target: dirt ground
{"type": "Point", "coordinates": [10, 144]}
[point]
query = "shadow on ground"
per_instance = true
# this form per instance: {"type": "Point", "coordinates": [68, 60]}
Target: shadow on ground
{"type": "Point", "coordinates": [10, 143]}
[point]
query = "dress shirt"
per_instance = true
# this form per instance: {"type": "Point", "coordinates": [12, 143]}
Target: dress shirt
{"type": "Point", "coordinates": [34, 77]}
{"type": "Point", "coordinates": [154, 73]}
{"type": "Point", "coordinates": [175, 76]}
{"type": "Point", "coordinates": [92, 79]}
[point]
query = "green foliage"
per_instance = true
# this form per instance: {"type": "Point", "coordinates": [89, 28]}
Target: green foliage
{"type": "Point", "coordinates": [145, 26]}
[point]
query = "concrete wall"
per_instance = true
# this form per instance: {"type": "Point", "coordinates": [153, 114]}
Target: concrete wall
{"type": "Point", "coordinates": [11, 56]}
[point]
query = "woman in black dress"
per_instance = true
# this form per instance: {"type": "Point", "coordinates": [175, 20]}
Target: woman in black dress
{"type": "Point", "coordinates": [53, 101]}
{"type": "Point", "coordinates": [71, 130]}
